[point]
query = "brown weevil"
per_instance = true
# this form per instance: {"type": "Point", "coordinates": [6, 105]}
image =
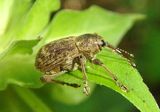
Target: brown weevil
{"type": "Point", "coordinates": [71, 53]}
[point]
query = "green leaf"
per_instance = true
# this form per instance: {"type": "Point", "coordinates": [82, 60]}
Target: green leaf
{"type": "Point", "coordinates": [36, 19]}
{"type": "Point", "coordinates": [111, 25]}
{"type": "Point", "coordinates": [30, 21]}
{"type": "Point", "coordinates": [138, 93]}
{"type": "Point", "coordinates": [19, 49]}
{"type": "Point", "coordinates": [17, 11]}
{"type": "Point", "coordinates": [5, 9]}
{"type": "Point", "coordinates": [19, 69]}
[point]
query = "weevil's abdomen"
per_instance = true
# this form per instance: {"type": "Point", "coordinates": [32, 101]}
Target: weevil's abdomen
{"type": "Point", "coordinates": [57, 55]}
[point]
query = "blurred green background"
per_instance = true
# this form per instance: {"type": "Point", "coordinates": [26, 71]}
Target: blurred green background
{"type": "Point", "coordinates": [143, 40]}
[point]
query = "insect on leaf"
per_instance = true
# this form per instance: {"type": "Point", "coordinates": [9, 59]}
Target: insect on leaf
{"type": "Point", "coordinates": [19, 69]}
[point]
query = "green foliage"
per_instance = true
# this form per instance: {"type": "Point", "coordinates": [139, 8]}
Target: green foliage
{"type": "Point", "coordinates": [19, 45]}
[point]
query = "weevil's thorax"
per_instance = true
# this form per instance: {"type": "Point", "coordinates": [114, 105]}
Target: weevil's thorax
{"type": "Point", "coordinates": [89, 43]}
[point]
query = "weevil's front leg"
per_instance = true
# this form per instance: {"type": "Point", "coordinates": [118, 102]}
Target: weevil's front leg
{"type": "Point", "coordinates": [98, 62]}
{"type": "Point", "coordinates": [82, 60]}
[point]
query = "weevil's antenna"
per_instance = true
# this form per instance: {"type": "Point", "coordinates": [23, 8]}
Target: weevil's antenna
{"type": "Point", "coordinates": [122, 52]}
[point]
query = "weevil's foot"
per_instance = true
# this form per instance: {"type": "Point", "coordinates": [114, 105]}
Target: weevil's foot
{"type": "Point", "coordinates": [46, 78]}
{"type": "Point", "coordinates": [123, 87]}
{"type": "Point", "coordinates": [133, 65]}
{"type": "Point", "coordinates": [86, 89]}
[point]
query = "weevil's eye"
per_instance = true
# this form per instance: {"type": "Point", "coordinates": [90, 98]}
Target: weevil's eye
{"type": "Point", "coordinates": [103, 43]}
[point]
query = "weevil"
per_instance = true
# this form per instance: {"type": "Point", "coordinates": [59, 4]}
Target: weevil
{"type": "Point", "coordinates": [71, 53]}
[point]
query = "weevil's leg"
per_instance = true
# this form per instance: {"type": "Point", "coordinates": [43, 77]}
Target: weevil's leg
{"type": "Point", "coordinates": [75, 64]}
{"type": "Point", "coordinates": [47, 78]}
{"type": "Point", "coordinates": [124, 53]}
{"type": "Point", "coordinates": [98, 62]}
{"type": "Point", "coordinates": [50, 79]}
{"type": "Point", "coordinates": [49, 75]}
{"type": "Point", "coordinates": [81, 62]}
{"type": "Point", "coordinates": [65, 83]}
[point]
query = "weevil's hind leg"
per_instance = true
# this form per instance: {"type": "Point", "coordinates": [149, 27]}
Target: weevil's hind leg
{"type": "Point", "coordinates": [65, 83]}
{"type": "Point", "coordinates": [81, 61]}
{"type": "Point", "coordinates": [98, 62]}
{"type": "Point", "coordinates": [50, 79]}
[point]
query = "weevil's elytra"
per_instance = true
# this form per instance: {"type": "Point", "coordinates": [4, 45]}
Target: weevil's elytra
{"type": "Point", "coordinates": [71, 53]}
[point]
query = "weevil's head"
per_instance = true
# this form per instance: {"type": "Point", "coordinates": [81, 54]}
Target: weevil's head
{"type": "Point", "coordinates": [90, 43]}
